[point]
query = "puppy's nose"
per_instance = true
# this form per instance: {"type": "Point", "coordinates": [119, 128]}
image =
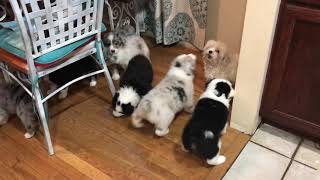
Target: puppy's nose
{"type": "Point", "coordinates": [210, 51]}
{"type": "Point", "coordinates": [112, 51]}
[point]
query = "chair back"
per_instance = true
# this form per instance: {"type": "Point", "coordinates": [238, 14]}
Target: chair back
{"type": "Point", "coordinates": [51, 24]}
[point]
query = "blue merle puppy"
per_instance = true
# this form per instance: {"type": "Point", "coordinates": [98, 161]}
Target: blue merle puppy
{"type": "Point", "coordinates": [209, 121]}
{"type": "Point", "coordinates": [122, 45]}
{"type": "Point", "coordinates": [173, 94]}
{"type": "Point", "coordinates": [134, 84]}
{"type": "Point", "coordinates": [14, 100]}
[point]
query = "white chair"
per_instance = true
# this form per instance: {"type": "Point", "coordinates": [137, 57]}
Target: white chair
{"type": "Point", "coordinates": [55, 33]}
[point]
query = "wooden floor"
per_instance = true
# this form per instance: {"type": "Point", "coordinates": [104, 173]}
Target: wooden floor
{"type": "Point", "coordinates": [91, 144]}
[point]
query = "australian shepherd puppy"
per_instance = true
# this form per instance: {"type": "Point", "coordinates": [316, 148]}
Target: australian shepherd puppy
{"type": "Point", "coordinates": [14, 100]}
{"type": "Point", "coordinates": [209, 121]}
{"type": "Point", "coordinates": [134, 84]}
{"type": "Point", "coordinates": [123, 45]}
{"type": "Point", "coordinates": [173, 94]}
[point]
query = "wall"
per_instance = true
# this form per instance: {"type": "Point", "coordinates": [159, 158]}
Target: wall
{"type": "Point", "coordinates": [225, 22]}
{"type": "Point", "coordinates": [259, 26]}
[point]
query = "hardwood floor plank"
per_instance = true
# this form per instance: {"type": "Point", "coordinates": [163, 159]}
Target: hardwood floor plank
{"type": "Point", "coordinates": [106, 146]}
{"type": "Point", "coordinates": [21, 154]}
{"type": "Point", "coordinates": [8, 173]}
{"type": "Point", "coordinates": [79, 164]}
{"type": "Point", "coordinates": [14, 168]}
{"type": "Point", "coordinates": [39, 149]}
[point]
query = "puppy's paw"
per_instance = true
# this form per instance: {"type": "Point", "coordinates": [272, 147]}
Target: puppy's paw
{"type": "Point", "coordinates": [117, 114]}
{"type": "Point", "coordinates": [161, 132]}
{"type": "Point", "coordinates": [183, 148]}
{"type": "Point", "coordinates": [29, 135]}
{"type": "Point", "coordinates": [116, 76]}
{"type": "Point", "coordinates": [93, 83]}
{"type": "Point", "coordinates": [216, 160]}
{"type": "Point", "coordinates": [137, 123]}
{"type": "Point", "coordinates": [62, 95]}
{"type": "Point", "coordinates": [51, 90]}
{"type": "Point", "coordinates": [3, 121]}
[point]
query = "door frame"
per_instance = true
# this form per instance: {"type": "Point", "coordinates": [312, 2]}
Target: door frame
{"type": "Point", "coordinates": [257, 39]}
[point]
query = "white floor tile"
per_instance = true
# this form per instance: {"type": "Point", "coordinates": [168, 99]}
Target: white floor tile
{"type": "Point", "coordinates": [276, 139]}
{"type": "Point", "coordinates": [299, 171]}
{"type": "Point", "coordinates": [308, 154]}
{"type": "Point", "coordinates": [256, 162]}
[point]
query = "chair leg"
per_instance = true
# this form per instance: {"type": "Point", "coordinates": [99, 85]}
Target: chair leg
{"type": "Point", "coordinates": [43, 118]}
{"type": "Point", "coordinates": [137, 18]}
{"type": "Point", "coordinates": [100, 57]}
{"type": "Point", "coordinates": [110, 14]}
{"type": "Point", "coordinates": [6, 77]}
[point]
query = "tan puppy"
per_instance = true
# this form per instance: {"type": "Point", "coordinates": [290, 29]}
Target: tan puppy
{"type": "Point", "coordinates": [218, 63]}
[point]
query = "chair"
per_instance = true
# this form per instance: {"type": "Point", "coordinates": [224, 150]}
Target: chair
{"type": "Point", "coordinates": [55, 33]}
{"type": "Point", "coordinates": [120, 10]}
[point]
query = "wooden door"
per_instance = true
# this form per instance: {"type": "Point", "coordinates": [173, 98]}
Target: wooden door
{"type": "Point", "coordinates": [292, 92]}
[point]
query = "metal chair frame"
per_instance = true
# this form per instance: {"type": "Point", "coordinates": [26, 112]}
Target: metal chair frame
{"type": "Point", "coordinates": [50, 26]}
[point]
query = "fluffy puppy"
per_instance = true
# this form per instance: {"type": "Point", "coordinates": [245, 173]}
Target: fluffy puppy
{"type": "Point", "coordinates": [122, 45]}
{"type": "Point", "coordinates": [14, 100]}
{"type": "Point", "coordinates": [209, 121]}
{"type": "Point", "coordinates": [134, 84]}
{"type": "Point", "coordinates": [62, 76]}
{"type": "Point", "coordinates": [218, 63]}
{"type": "Point", "coordinates": [173, 94]}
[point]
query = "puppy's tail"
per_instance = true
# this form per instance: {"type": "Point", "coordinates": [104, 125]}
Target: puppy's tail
{"type": "Point", "coordinates": [206, 145]}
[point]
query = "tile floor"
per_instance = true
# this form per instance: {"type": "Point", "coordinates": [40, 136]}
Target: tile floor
{"type": "Point", "coordinates": [274, 154]}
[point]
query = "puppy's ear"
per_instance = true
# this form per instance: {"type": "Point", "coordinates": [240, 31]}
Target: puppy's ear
{"type": "Point", "coordinates": [231, 94]}
{"type": "Point", "coordinates": [223, 50]}
{"type": "Point", "coordinates": [194, 57]}
{"type": "Point", "coordinates": [208, 44]}
{"type": "Point", "coordinates": [106, 40]}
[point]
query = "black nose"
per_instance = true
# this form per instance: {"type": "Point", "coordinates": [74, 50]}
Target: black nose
{"type": "Point", "coordinates": [210, 51]}
{"type": "Point", "coordinates": [112, 51]}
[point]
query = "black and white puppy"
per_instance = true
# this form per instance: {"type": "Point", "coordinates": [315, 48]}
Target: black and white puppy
{"type": "Point", "coordinates": [134, 84]}
{"type": "Point", "coordinates": [209, 121]}
{"type": "Point", "coordinates": [77, 69]}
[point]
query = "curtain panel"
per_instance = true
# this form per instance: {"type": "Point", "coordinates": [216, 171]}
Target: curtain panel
{"type": "Point", "coordinates": [172, 21]}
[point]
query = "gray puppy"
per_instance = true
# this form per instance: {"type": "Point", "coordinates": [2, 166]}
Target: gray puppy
{"type": "Point", "coordinates": [14, 100]}
{"type": "Point", "coordinates": [173, 94]}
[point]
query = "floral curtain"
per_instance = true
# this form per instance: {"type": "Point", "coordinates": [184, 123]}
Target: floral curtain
{"type": "Point", "coordinates": [171, 21]}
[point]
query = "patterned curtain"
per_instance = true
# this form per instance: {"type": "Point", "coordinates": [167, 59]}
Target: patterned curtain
{"type": "Point", "coordinates": [172, 21]}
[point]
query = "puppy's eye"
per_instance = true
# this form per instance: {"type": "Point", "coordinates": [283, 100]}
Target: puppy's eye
{"type": "Point", "coordinates": [118, 103]}
{"type": "Point", "coordinates": [107, 44]}
{"type": "Point", "coordinates": [217, 51]}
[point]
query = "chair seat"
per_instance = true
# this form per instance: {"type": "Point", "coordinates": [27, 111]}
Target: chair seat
{"type": "Point", "coordinates": [12, 49]}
